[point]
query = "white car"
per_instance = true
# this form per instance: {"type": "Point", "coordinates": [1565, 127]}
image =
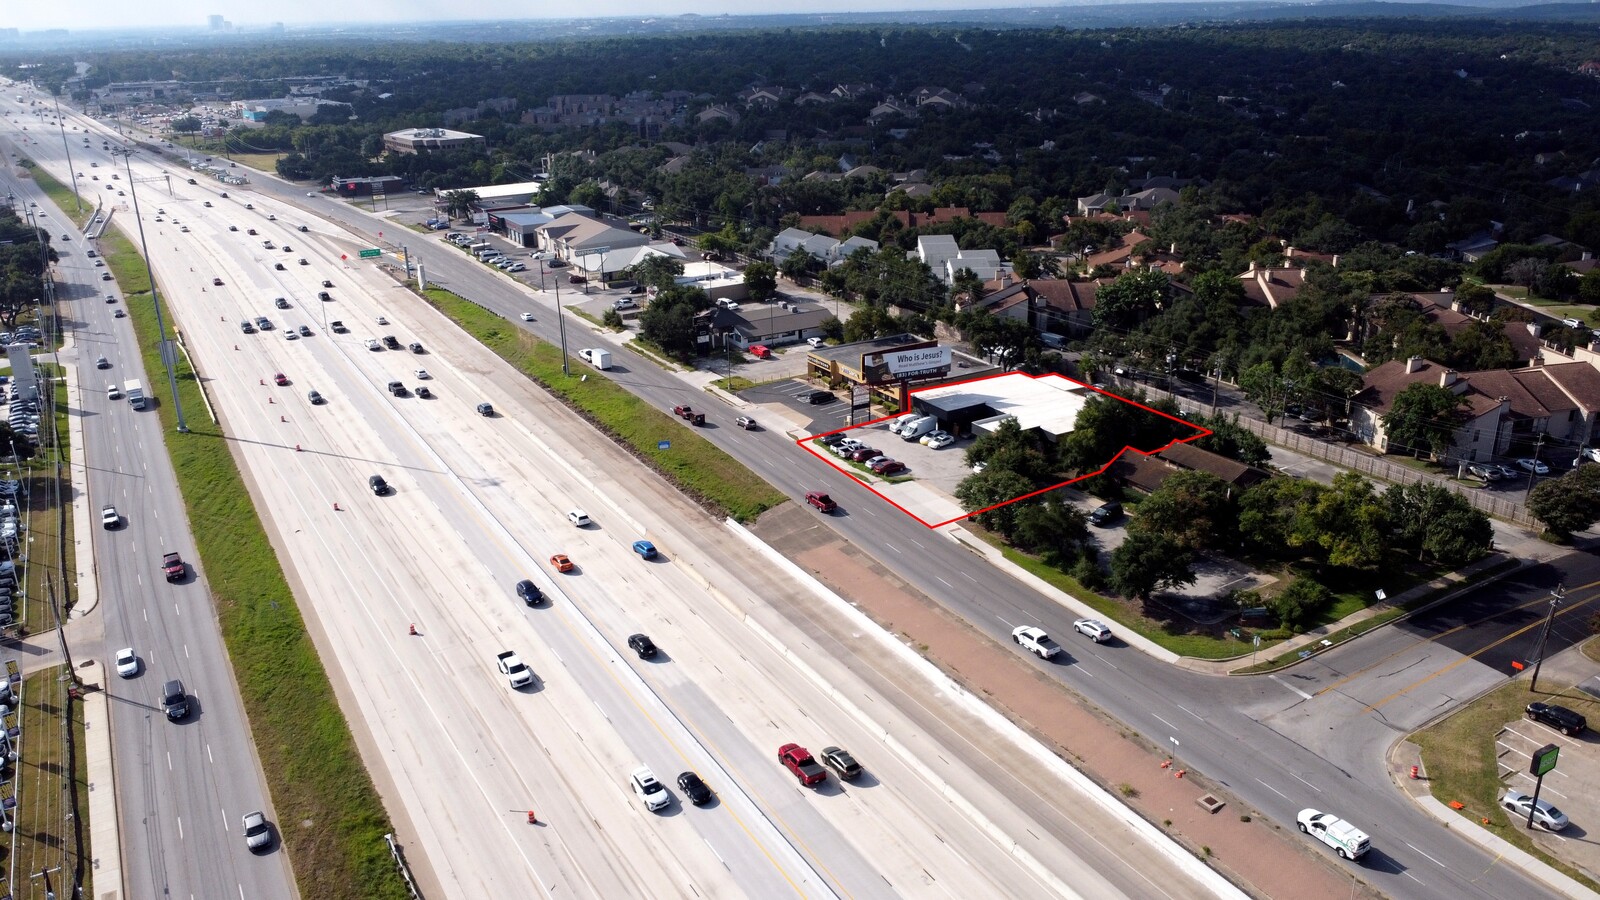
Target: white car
{"type": "Point", "coordinates": [516, 267]}
{"type": "Point", "coordinates": [113, 392]}
{"type": "Point", "coordinates": [1034, 640]}
{"type": "Point", "coordinates": [422, 374]}
{"type": "Point", "coordinates": [257, 833]}
{"type": "Point", "coordinates": [373, 345]}
{"type": "Point", "coordinates": [127, 662]}
{"type": "Point", "coordinates": [932, 436]}
{"type": "Point", "coordinates": [527, 317]}
{"type": "Point", "coordinates": [1534, 466]}
{"type": "Point", "coordinates": [815, 342]}
{"type": "Point", "coordinates": [1346, 840]}
{"type": "Point", "coordinates": [109, 517]}
{"type": "Point", "coordinates": [578, 518]}
{"type": "Point", "coordinates": [511, 666]}
{"type": "Point", "coordinates": [382, 321]}
{"type": "Point", "coordinates": [1093, 629]}
{"type": "Point", "coordinates": [1545, 815]}
{"type": "Point", "coordinates": [650, 791]}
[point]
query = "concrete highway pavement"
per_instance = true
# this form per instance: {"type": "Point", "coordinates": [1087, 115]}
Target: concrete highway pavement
{"type": "Point", "coordinates": [182, 786]}
{"type": "Point", "coordinates": [479, 503]}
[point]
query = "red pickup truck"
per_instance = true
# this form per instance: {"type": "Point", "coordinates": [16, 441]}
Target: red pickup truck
{"type": "Point", "coordinates": [688, 414]}
{"type": "Point", "coordinates": [172, 565]}
{"type": "Point", "coordinates": [798, 760]}
{"type": "Point", "coordinates": [821, 501]}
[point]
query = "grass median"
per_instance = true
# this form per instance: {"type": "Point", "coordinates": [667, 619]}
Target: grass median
{"type": "Point", "coordinates": [62, 196]}
{"type": "Point", "coordinates": [43, 838]}
{"type": "Point", "coordinates": [330, 816]}
{"type": "Point", "coordinates": [693, 464]}
{"type": "Point", "coordinates": [1463, 761]}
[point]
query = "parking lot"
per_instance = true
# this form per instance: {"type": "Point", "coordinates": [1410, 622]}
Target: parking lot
{"type": "Point", "coordinates": [1574, 786]}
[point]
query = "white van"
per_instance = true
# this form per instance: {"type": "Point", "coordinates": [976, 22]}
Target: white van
{"type": "Point", "coordinates": [903, 421]}
{"type": "Point", "coordinates": [914, 430]}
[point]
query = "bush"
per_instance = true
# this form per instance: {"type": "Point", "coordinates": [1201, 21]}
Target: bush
{"type": "Point", "coordinates": [612, 319]}
{"type": "Point", "coordinates": [1087, 572]}
{"type": "Point", "coordinates": [1300, 602]}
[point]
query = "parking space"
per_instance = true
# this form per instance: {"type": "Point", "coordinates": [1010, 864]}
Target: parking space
{"type": "Point", "coordinates": [794, 395]}
{"type": "Point", "coordinates": [1574, 787]}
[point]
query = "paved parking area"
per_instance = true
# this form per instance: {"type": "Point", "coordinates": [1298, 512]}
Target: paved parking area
{"type": "Point", "coordinates": [1574, 787]}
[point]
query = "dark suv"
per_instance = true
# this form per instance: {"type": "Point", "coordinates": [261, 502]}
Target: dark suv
{"type": "Point", "coordinates": [1558, 717]}
{"type": "Point", "coordinates": [378, 485]}
{"type": "Point", "coordinates": [529, 592]}
{"type": "Point", "coordinates": [174, 702]}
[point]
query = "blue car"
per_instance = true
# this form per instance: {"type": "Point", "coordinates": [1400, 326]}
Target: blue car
{"type": "Point", "coordinates": [645, 549]}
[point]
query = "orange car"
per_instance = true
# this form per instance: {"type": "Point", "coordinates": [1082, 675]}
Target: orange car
{"type": "Point", "coordinates": [561, 562]}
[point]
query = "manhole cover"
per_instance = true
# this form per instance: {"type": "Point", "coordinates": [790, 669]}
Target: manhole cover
{"type": "Point", "coordinates": [1210, 803]}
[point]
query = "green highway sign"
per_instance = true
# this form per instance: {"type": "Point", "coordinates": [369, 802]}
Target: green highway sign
{"type": "Point", "coordinates": [1544, 760]}
{"type": "Point", "coordinates": [368, 254]}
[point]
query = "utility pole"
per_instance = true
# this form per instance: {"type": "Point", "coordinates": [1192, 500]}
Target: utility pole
{"type": "Point", "coordinates": [49, 891]}
{"type": "Point", "coordinates": [1556, 596]}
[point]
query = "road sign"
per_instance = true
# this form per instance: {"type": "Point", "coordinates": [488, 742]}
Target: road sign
{"type": "Point", "coordinates": [663, 445]}
{"type": "Point", "coordinates": [368, 254]}
{"type": "Point", "coordinates": [1544, 760]}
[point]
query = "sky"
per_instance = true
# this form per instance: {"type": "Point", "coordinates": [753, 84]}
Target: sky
{"type": "Point", "coordinates": [100, 14]}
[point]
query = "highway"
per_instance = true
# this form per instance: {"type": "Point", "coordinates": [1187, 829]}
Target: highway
{"type": "Point", "coordinates": [1233, 730]}
{"type": "Point", "coordinates": [479, 503]}
{"type": "Point", "coordinates": [182, 786]}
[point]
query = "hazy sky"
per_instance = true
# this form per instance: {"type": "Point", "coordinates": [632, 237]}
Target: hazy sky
{"type": "Point", "coordinates": [96, 14]}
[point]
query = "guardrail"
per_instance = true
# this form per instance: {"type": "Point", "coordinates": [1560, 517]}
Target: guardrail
{"type": "Point", "coordinates": [402, 866]}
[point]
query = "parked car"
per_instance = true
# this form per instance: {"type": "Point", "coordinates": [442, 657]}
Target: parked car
{"type": "Point", "coordinates": [863, 454]}
{"type": "Point", "coordinates": [938, 440]}
{"type": "Point", "coordinates": [1486, 471]}
{"type": "Point", "coordinates": [1534, 466]}
{"type": "Point", "coordinates": [1545, 814]}
{"type": "Point", "coordinates": [1560, 718]}
{"type": "Point", "coordinates": [1106, 513]}
{"type": "Point", "coordinates": [888, 467]}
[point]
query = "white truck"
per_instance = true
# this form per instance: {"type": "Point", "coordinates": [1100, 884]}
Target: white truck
{"type": "Point", "coordinates": [511, 666]}
{"type": "Point", "coordinates": [135, 392]}
{"type": "Point", "coordinates": [597, 357]}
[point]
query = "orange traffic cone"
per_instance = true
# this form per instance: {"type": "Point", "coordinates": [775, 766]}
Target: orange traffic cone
{"type": "Point", "coordinates": [336, 508]}
{"type": "Point", "coordinates": [532, 819]}
{"type": "Point", "coordinates": [414, 633]}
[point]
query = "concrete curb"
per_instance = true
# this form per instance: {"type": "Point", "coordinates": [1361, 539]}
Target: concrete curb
{"type": "Point", "coordinates": [87, 584]}
{"type": "Point", "coordinates": [105, 836]}
{"type": "Point", "coordinates": [1203, 875]}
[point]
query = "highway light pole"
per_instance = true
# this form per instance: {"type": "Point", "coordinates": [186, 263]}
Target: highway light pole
{"type": "Point", "coordinates": [155, 295]}
{"type": "Point", "coordinates": [1556, 596]}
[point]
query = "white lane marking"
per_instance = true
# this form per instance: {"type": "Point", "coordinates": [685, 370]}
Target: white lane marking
{"type": "Point", "coordinates": [1181, 706]}
{"type": "Point", "coordinates": [892, 547]}
{"type": "Point", "coordinates": [969, 578]}
{"type": "Point", "coordinates": [1272, 789]}
{"type": "Point", "coordinates": [945, 583]}
{"type": "Point", "coordinates": [1166, 723]}
{"type": "Point", "coordinates": [1306, 783]}
{"type": "Point", "coordinates": [918, 543]}
{"type": "Point", "coordinates": [180, 828]}
{"type": "Point", "coordinates": [1425, 856]}
{"type": "Point", "coordinates": [209, 758]}
{"type": "Point", "coordinates": [1282, 683]}
{"type": "Point", "coordinates": [169, 760]}
{"type": "Point", "coordinates": [224, 811]}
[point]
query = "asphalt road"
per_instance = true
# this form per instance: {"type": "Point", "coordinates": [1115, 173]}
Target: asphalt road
{"type": "Point", "coordinates": [479, 503]}
{"type": "Point", "coordinates": [1224, 728]}
{"type": "Point", "coordinates": [182, 786]}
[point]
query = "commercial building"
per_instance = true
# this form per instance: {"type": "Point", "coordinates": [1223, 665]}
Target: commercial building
{"type": "Point", "coordinates": [367, 187]}
{"type": "Point", "coordinates": [886, 367]}
{"type": "Point", "coordinates": [426, 140]}
{"type": "Point", "coordinates": [1049, 404]}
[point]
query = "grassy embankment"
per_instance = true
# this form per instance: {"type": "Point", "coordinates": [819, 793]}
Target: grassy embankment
{"type": "Point", "coordinates": [330, 816]}
{"type": "Point", "coordinates": [696, 466]}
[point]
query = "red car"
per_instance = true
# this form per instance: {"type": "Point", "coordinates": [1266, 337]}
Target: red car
{"type": "Point", "coordinates": [280, 379]}
{"type": "Point", "coordinates": [798, 760]}
{"type": "Point", "coordinates": [561, 562]}
{"type": "Point", "coordinates": [864, 454]}
{"type": "Point", "coordinates": [887, 466]}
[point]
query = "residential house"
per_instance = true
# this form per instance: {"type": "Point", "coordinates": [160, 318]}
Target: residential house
{"type": "Point", "coordinates": [716, 113]}
{"type": "Point", "coordinates": [1048, 305]}
{"type": "Point", "coordinates": [822, 247]}
{"type": "Point", "coordinates": [941, 98]}
{"type": "Point", "coordinates": [585, 241]}
{"type": "Point", "coordinates": [763, 96]}
{"type": "Point", "coordinates": [1272, 286]}
{"type": "Point", "coordinates": [1147, 473]}
{"type": "Point", "coordinates": [940, 253]}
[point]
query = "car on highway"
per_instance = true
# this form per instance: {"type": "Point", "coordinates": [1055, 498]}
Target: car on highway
{"type": "Point", "coordinates": [529, 592]}
{"type": "Point", "coordinates": [1346, 840]}
{"type": "Point", "coordinates": [397, 388]}
{"type": "Point", "coordinates": [304, 262]}
{"type": "Point", "coordinates": [1534, 466]}
{"type": "Point", "coordinates": [118, 314]}
{"type": "Point", "coordinates": [324, 296]}
{"type": "Point", "coordinates": [316, 398]}
{"type": "Point", "coordinates": [291, 334]}
{"type": "Point", "coordinates": [821, 501]}
{"type": "Point", "coordinates": [841, 762]}
{"type": "Point", "coordinates": [127, 662]}
{"type": "Point", "coordinates": [415, 347]}
{"type": "Point", "coordinates": [113, 392]}
{"type": "Point", "coordinates": [257, 833]}
{"type": "Point", "coordinates": [485, 409]}
{"type": "Point", "coordinates": [263, 323]}
{"type": "Point", "coordinates": [1093, 629]}
{"type": "Point", "coordinates": [280, 379]}
{"type": "Point", "coordinates": [109, 517]}
{"type": "Point", "coordinates": [1034, 639]}
{"type": "Point", "coordinates": [516, 672]}
{"type": "Point", "coordinates": [1560, 718]}
{"type": "Point", "coordinates": [111, 298]}
{"type": "Point", "coordinates": [279, 267]}
{"type": "Point", "coordinates": [642, 645]}
{"type": "Point", "coordinates": [327, 283]}
{"type": "Point", "coordinates": [422, 374]}
{"type": "Point", "coordinates": [251, 231]}
{"type": "Point", "coordinates": [281, 303]}
{"type": "Point", "coordinates": [798, 760]}
{"type": "Point", "coordinates": [423, 393]}
{"type": "Point", "coordinates": [216, 282]}
{"type": "Point", "coordinates": [338, 327]}
{"type": "Point", "coordinates": [378, 486]}
{"type": "Point", "coordinates": [105, 276]}
{"type": "Point", "coordinates": [304, 330]}
{"type": "Point", "coordinates": [698, 792]}
{"type": "Point", "coordinates": [373, 345]}
{"type": "Point", "coordinates": [1545, 814]}
{"type": "Point", "coordinates": [382, 320]}
{"type": "Point", "coordinates": [645, 549]}
{"type": "Point", "coordinates": [233, 228]}
{"type": "Point", "coordinates": [747, 423]}
{"type": "Point", "coordinates": [527, 317]}
{"type": "Point", "coordinates": [561, 562]}
{"type": "Point", "coordinates": [578, 518]}
{"type": "Point", "coordinates": [649, 790]}
{"type": "Point", "coordinates": [174, 700]}
{"type": "Point", "coordinates": [391, 342]}
{"type": "Point", "coordinates": [102, 363]}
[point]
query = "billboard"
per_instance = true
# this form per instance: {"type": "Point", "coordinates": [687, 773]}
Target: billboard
{"type": "Point", "coordinates": [922, 361]}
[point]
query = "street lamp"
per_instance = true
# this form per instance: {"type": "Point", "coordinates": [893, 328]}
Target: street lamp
{"type": "Point", "coordinates": [155, 295]}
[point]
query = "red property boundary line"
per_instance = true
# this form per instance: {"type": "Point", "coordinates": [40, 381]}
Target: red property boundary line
{"type": "Point", "coordinates": [807, 442]}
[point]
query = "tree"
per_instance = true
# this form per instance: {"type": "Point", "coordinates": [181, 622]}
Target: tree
{"type": "Point", "coordinates": [1437, 522]}
{"type": "Point", "coordinates": [186, 125]}
{"type": "Point", "coordinates": [1009, 447]}
{"type": "Point", "coordinates": [458, 204]}
{"type": "Point", "coordinates": [1136, 295]}
{"type": "Point", "coordinates": [1351, 523]}
{"type": "Point", "coordinates": [982, 490]}
{"type": "Point", "coordinates": [1569, 503]}
{"type": "Point", "coordinates": [1424, 417]}
{"type": "Point", "coordinates": [656, 270]}
{"type": "Point", "coordinates": [1299, 603]}
{"type": "Point", "coordinates": [798, 264]}
{"type": "Point", "coordinates": [761, 279]}
{"type": "Point", "coordinates": [668, 321]}
{"type": "Point", "coordinates": [1050, 528]}
{"type": "Point", "coordinates": [1277, 517]}
{"type": "Point", "coordinates": [869, 322]}
{"type": "Point", "coordinates": [1263, 387]}
{"type": "Point", "coordinates": [1194, 509]}
{"type": "Point", "coordinates": [1146, 562]}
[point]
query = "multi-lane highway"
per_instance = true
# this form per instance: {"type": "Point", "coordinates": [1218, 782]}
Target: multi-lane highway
{"type": "Point", "coordinates": [182, 786]}
{"type": "Point", "coordinates": [478, 504]}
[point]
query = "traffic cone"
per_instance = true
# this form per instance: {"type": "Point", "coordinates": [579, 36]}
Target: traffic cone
{"type": "Point", "coordinates": [270, 400]}
{"type": "Point", "coordinates": [261, 381]}
{"type": "Point", "coordinates": [283, 419]}
{"type": "Point", "coordinates": [414, 634]}
{"type": "Point", "coordinates": [336, 508]}
{"type": "Point", "coordinates": [1180, 773]}
{"type": "Point", "coordinates": [532, 819]}
{"type": "Point", "coordinates": [297, 448]}
{"type": "Point", "coordinates": [1166, 764]}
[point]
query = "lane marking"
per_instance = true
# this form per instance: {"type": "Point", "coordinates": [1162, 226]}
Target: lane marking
{"type": "Point", "coordinates": [1166, 723]}
{"type": "Point", "coordinates": [1272, 789]}
{"type": "Point", "coordinates": [1287, 686]}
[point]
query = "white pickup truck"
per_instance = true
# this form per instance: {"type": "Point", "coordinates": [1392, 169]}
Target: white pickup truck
{"type": "Point", "coordinates": [510, 665]}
